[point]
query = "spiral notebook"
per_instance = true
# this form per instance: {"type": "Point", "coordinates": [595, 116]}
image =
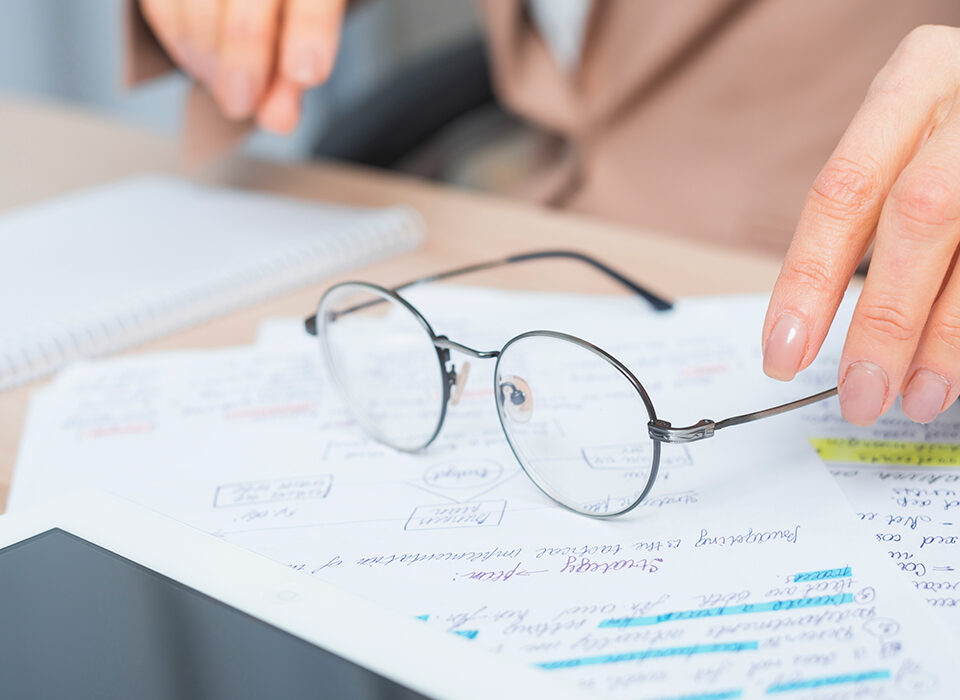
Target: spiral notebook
{"type": "Point", "coordinates": [110, 267]}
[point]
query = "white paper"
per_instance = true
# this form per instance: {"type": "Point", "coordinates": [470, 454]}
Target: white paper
{"type": "Point", "coordinates": [909, 510]}
{"type": "Point", "coordinates": [251, 444]}
{"type": "Point", "coordinates": [912, 511]}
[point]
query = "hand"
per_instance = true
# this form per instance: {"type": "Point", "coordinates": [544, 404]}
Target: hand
{"type": "Point", "coordinates": [894, 180]}
{"type": "Point", "coordinates": [255, 56]}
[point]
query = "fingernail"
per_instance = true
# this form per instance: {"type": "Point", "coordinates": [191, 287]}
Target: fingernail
{"type": "Point", "coordinates": [306, 64]}
{"type": "Point", "coordinates": [237, 93]}
{"type": "Point", "coordinates": [785, 347]}
{"type": "Point", "coordinates": [863, 392]}
{"type": "Point", "coordinates": [924, 396]}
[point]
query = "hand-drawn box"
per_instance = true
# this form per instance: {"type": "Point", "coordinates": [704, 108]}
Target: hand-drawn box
{"type": "Point", "coordinates": [298, 488]}
{"type": "Point", "coordinates": [448, 515]}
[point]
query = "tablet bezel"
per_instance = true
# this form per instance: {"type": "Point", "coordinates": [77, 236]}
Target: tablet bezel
{"type": "Point", "coordinates": [428, 661]}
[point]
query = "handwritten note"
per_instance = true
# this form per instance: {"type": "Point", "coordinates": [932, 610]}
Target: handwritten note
{"type": "Point", "coordinates": [273, 490]}
{"type": "Point", "coordinates": [902, 478]}
{"type": "Point", "coordinates": [737, 577]}
{"type": "Point", "coordinates": [888, 452]}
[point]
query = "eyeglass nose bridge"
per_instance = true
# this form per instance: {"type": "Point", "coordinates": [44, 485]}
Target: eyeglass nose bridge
{"type": "Point", "coordinates": [457, 380]}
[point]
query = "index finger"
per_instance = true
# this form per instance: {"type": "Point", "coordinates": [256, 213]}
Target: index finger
{"type": "Point", "coordinates": [837, 223]}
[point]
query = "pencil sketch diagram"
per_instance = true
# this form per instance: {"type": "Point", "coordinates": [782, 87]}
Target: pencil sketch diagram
{"type": "Point", "coordinates": [443, 494]}
{"type": "Point", "coordinates": [407, 494]}
{"type": "Point", "coordinates": [297, 458]}
{"type": "Point", "coordinates": [461, 484]}
{"type": "Point", "coordinates": [468, 478]}
{"type": "Point", "coordinates": [469, 514]}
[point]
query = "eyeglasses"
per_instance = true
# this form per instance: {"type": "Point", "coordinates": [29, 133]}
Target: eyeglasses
{"type": "Point", "coordinates": [579, 422]}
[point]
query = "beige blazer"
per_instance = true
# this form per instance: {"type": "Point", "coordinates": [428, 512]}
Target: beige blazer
{"type": "Point", "coordinates": [702, 118]}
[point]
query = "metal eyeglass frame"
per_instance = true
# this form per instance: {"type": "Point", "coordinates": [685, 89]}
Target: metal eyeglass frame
{"type": "Point", "coordinates": [659, 430]}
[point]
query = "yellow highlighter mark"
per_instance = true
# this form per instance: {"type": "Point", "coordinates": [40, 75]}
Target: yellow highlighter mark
{"type": "Point", "coordinates": [917, 454]}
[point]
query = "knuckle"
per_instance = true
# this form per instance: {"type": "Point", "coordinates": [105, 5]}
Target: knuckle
{"type": "Point", "coordinates": [925, 36]}
{"type": "Point", "coordinates": [926, 197]}
{"type": "Point", "coordinates": [918, 35]}
{"type": "Point", "coordinates": [248, 30]}
{"type": "Point", "coordinates": [921, 54]}
{"type": "Point", "coordinates": [845, 187]}
{"type": "Point", "coordinates": [946, 328]}
{"type": "Point", "coordinates": [810, 274]}
{"type": "Point", "coordinates": [886, 321]}
{"type": "Point", "coordinates": [924, 43]}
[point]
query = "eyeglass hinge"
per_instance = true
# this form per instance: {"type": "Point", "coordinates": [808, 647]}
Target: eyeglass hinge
{"type": "Point", "coordinates": [663, 431]}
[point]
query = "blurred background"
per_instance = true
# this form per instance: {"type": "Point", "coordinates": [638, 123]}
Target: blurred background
{"type": "Point", "coordinates": [410, 89]}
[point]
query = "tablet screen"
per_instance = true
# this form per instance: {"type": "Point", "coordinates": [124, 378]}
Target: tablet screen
{"type": "Point", "coordinates": [78, 621]}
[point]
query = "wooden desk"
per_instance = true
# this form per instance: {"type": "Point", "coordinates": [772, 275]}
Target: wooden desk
{"type": "Point", "coordinates": [46, 150]}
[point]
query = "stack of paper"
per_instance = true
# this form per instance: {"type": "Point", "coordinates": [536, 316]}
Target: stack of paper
{"type": "Point", "coordinates": [745, 572]}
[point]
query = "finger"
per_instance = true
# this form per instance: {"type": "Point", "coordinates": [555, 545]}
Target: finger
{"type": "Point", "coordinates": [248, 39]}
{"type": "Point", "coordinates": [917, 235]}
{"type": "Point", "coordinates": [201, 28]}
{"type": "Point", "coordinates": [280, 110]}
{"type": "Point", "coordinates": [311, 35]}
{"type": "Point", "coordinates": [165, 18]}
{"type": "Point", "coordinates": [933, 379]}
{"type": "Point", "coordinates": [843, 208]}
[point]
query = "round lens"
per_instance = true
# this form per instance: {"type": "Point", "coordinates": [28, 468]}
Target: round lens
{"type": "Point", "coordinates": [382, 358]}
{"type": "Point", "coordinates": [576, 423]}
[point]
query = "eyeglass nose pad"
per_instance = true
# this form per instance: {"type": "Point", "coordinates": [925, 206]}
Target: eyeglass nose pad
{"type": "Point", "coordinates": [460, 383]}
{"type": "Point", "coordinates": [516, 398]}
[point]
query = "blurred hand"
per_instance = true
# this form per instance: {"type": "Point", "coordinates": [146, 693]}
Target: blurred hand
{"type": "Point", "coordinates": [894, 180]}
{"type": "Point", "coordinates": [255, 56]}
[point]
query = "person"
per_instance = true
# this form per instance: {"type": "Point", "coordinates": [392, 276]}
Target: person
{"type": "Point", "coordinates": [708, 119]}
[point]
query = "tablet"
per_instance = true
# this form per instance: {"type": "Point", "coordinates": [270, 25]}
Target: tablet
{"type": "Point", "coordinates": [102, 599]}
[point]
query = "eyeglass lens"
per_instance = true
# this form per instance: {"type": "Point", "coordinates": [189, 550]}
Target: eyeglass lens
{"type": "Point", "coordinates": [382, 359]}
{"type": "Point", "coordinates": [586, 448]}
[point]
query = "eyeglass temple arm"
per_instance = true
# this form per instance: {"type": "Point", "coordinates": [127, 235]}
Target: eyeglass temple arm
{"type": "Point", "coordinates": [655, 300]}
{"type": "Point", "coordinates": [663, 431]}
